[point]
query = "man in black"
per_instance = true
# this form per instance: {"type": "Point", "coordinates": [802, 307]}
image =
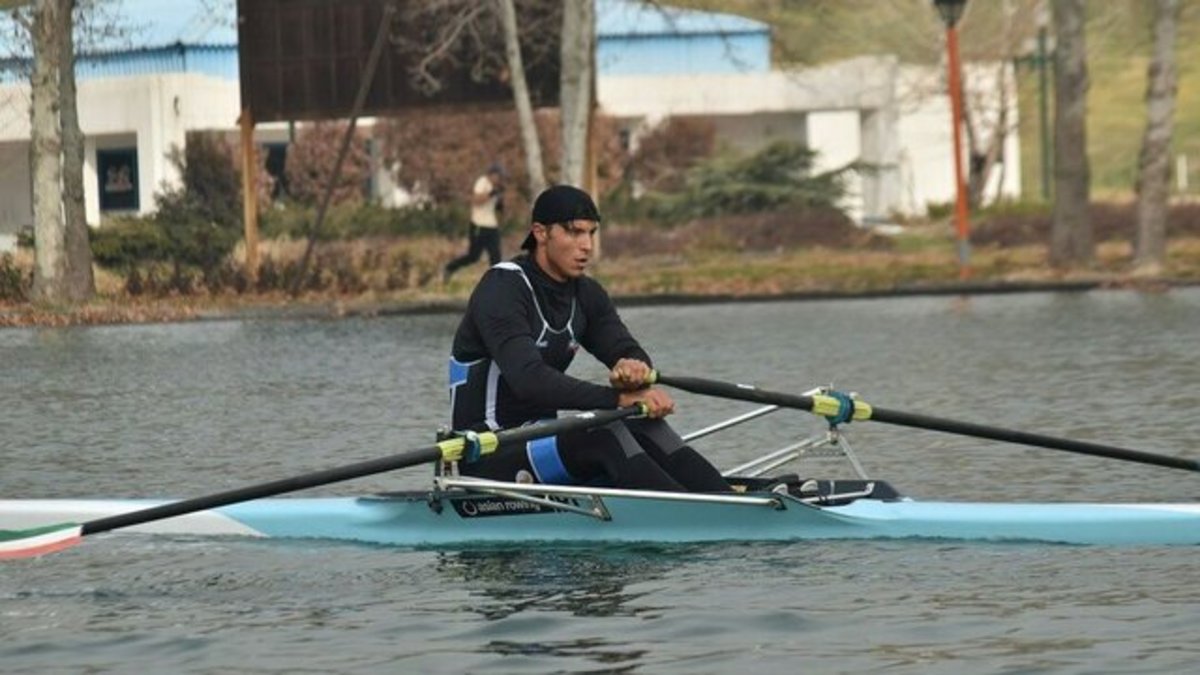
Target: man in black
{"type": "Point", "coordinates": [524, 323]}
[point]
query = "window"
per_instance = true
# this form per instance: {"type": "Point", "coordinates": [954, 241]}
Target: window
{"type": "Point", "coordinates": [116, 170]}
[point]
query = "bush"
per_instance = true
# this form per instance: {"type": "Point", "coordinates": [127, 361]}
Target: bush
{"type": "Point", "coordinates": [14, 284]}
{"type": "Point", "coordinates": [211, 180]}
{"type": "Point", "coordinates": [196, 226]}
{"type": "Point", "coordinates": [778, 176]}
{"type": "Point", "coordinates": [123, 243]}
{"type": "Point", "coordinates": [667, 152]}
{"type": "Point", "coordinates": [311, 159]}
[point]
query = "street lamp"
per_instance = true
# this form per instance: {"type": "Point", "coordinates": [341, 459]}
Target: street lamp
{"type": "Point", "coordinates": [1036, 54]}
{"type": "Point", "coordinates": [951, 11]}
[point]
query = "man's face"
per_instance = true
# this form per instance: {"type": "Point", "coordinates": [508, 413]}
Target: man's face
{"type": "Point", "coordinates": [564, 250]}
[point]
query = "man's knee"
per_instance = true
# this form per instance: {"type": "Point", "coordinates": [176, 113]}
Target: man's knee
{"type": "Point", "coordinates": [656, 431]}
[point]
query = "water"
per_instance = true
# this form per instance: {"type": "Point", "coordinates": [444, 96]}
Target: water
{"type": "Point", "coordinates": [194, 408]}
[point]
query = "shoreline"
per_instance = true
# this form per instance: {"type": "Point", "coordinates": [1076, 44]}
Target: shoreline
{"type": "Point", "coordinates": [108, 311]}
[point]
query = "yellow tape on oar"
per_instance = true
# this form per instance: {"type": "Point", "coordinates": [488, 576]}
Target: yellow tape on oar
{"type": "Point", "coordinates": [830, 407]}
{"type": "Point", "coordinates": [453, 449]}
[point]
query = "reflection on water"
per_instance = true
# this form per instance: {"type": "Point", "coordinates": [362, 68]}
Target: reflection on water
{"type": "Point", "coordinates": [579, 582]}
{"type": "Point", "coordinates": [598, 650]}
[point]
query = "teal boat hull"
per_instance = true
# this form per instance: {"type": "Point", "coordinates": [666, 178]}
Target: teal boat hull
{"type": "Point", "coordinates": [463, 520]}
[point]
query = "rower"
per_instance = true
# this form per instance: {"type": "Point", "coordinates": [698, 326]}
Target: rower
{"type": "Point", "coordinates": [525, 321]}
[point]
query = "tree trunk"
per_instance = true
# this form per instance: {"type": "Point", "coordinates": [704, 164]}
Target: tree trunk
{"type": "Point", "coordinates": [516, 69]}
{"type": "Point", "coordinates": [1071, 233]}
{"type": "Point", "coordinates": [45, 155]}
{"type": "Point", "coordinates": [1150, 246]}
{"type": "Point", "coordinates": [578, 41]}
{"type": "Point", "coordinates": [80, 284]}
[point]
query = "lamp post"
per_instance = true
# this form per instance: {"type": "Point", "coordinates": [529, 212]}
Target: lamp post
{"type": "Point", "coordinates": [951, 11]}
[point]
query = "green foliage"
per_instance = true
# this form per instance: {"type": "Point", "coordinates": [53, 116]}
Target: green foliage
{"type": "Point", "coordinates": [193, 235]}
{"type": "Point", "coordinates": [201, 222]}
{"type": "Point", "coordinates": [124, 242]}
{"type": "Point", "coordinates": [778, 176]}
{"type": "Point", "coordinates": [25, 238]}
{"type": "Point", "coordinates": [212, 184]}
{"type": "Point", "coordinates": [14, 284]}
{"type": "Point", "coordinates": [195, 228]}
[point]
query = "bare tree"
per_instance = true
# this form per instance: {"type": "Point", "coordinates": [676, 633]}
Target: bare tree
{"type": "Point", "coordinates": [986, 111]}
{"type": "Point", "coordinates": [490, 40]}
{"type": "Point", "coordinates": [578, 45]}
{"type": "Point", "coordinates": [1150, 246]}
{"type": "Point", "coordinates": [1071, 240]}
{"type": "Point", "coordinates": [80, 282]}
{"type": "Point", "coordinates": [516, 73]}
{"type": "Point", "coordinates": [45, 154]}
{"type": "Point", "coordinates": [62, 258]}
{"type": "Point", "coordinates": [992, 35]}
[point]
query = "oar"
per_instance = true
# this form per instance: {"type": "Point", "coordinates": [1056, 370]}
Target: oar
{"type": "Point", "coordinates": [40, 540]}
{"type": "Point", "coordinates": [830, 406]}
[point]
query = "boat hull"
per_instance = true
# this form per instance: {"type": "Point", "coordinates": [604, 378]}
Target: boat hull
{"type": "Point", "coordinates": [421, 520]}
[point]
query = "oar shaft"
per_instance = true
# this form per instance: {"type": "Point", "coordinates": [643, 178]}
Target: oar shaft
{"type": "Point", "coordinates": [916, 421]}
{"type": "Point", "coordinates": [350, 471]}
{"type": "Point", "coordinates": [745, 392]}
{"type": "Point", "coordinates": [739, 392]}
{"type": "Point", "coordinates": [250, 492]}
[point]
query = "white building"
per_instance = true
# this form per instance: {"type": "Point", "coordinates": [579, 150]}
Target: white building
{"type": "Point", "coordinates": [136, 104]}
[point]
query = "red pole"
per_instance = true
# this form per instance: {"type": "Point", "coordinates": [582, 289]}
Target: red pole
{"type": "Point", "coordinates": [962, 227]}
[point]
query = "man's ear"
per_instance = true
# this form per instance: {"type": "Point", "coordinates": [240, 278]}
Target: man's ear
{"type": "Point", "coordinates": [540, 232]}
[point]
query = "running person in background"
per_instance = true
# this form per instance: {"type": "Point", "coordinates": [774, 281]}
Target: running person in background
{"type": "Point", "coordinates": [524, 323]}
{"type": "Point", "coordinates": [487, 201]}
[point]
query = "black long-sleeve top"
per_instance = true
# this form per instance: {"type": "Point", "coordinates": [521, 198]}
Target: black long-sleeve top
{"type": "Point", "coordinates": [501, 329]}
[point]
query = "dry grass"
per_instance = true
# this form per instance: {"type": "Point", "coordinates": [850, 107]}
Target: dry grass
{"type": "Point", "coordinates": [924, 259]}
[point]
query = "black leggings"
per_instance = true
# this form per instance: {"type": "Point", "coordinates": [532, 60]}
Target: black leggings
{"type": "Point", "coordinates": [641, 454]}
{"type": "Point", "coordinates": [481, 238]}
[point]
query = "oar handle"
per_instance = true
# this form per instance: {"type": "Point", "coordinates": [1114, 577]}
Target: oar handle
{"type": "Point", "coordinates": [448, 449]}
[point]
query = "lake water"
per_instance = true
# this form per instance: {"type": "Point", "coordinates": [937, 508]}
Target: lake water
{"type": "Point", "coordinates": [188, 409]}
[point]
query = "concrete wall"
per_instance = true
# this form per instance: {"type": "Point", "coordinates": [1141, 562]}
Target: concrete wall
{"type": "Point", "coordinates": [869, 109]}
{"type": "Point", "coordinates": [150, 112]}
{"type": "Point", "coordinates": [927, 150]}
{"type": "Point", "coordinates": [16, 208]}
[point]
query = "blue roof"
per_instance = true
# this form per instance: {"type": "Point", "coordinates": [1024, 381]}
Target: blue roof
{"type": "Point", "coordinates": [158, 23]}
{"type": "Point", "coordinates": [201, 36]}
{"type": "Point", "coordinates": [621, 18]}
{"type": "Point", "coordinates": [155, 23]}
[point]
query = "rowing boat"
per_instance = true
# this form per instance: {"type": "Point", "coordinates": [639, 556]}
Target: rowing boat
{"type": "Point", "coordinates": [508, 513]}
{"type": "Point", "coordinates": [460, 511]}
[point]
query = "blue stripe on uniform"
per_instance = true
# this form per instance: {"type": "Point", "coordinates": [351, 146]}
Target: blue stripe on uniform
{"type": "Point", "coordinates": [547, 465]}
{"type": "Point", "coordinates": [458, 372]}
